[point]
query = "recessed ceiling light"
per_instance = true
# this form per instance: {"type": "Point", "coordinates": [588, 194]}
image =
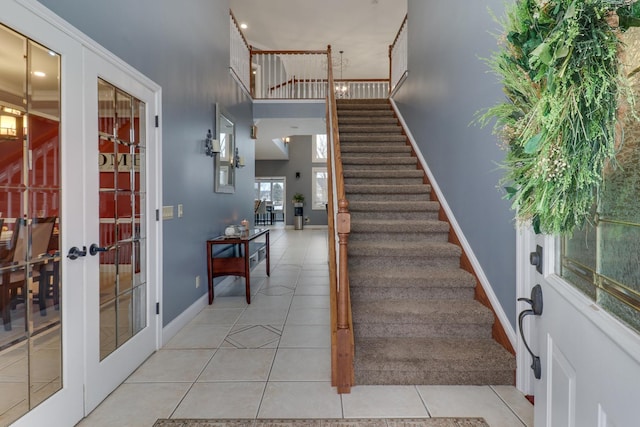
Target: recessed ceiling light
{"type": "Point", "coordinates": [244, 26]}
{"type": "Point", "coordinates": [39, 74]}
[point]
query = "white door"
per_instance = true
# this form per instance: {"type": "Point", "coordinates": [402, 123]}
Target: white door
{"type": "Point", "coordinates": [590, 361]}
{"type": "Point", "coordinates": [121, 145]}
{"type": "Point", "coordinates": [73, 327]}
{"type": "Point", "coordinates": [41, 347]}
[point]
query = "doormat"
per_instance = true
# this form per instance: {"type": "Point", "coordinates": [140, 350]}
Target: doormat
{"type": "Point", "coordinates": [356, 422]}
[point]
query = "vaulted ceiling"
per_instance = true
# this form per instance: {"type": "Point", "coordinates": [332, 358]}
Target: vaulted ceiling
{"type": "Point", "coordinates": [363, 29]}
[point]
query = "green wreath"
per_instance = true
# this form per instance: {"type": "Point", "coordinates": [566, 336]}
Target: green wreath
{"type": "Point", "coordinates": [560, 67]}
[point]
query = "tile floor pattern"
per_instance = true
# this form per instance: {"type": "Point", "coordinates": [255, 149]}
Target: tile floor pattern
{"type": "Point", "coordinates": [270, 359]}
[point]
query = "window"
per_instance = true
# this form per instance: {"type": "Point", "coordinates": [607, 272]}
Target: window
{"type": "Point", "coordinates": [272, 190]}
{"type": "Point", "coordinates": [319, 188]}
{"type": "Point", "coordinates": [319, 149]}
{"type": "Point", "coordinates": [602, 259]}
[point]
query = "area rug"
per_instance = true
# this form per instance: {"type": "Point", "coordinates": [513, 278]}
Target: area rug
{"type": "Point", "coordinates": [388, 422]}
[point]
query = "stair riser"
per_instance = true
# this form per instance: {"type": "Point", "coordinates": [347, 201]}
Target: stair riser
{"type": "Point", "coordinates": [391, 216]}
{"type": "Point", "coordinates": [381, 154]}
{"type": "Point", "coordinates": [381, 164]}
{"type": "Point", "coordinates": [453, 376]}
{"type": "Point", "coordinates": [383, 181]}
{"type": "Point", "coordinates": [368, 129]}
{"type": "Point", "coordinates": [375, 141]}
{"type": "Point", "coordinates": [360, 236]}
{"type": "Point", "coordinates": [402, 262]}
{"type": "Point", "coordinates": [397, 174]}
{"type": "Point", "coordinates": [363, 108]}
{"type": "Point", "coordinates": [367, 121]}
{"type": "Point", "coordinates": [364, 293]}
{"type": "Point", "coordinates": [382, 168]}
{"type": "Point", "coordinates": [361, 329]}
{"type": "Point", "coordinates": [391, 197]}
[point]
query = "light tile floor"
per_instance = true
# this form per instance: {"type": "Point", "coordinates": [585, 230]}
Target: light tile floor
{"type": "Point", "coordinates": [270, 359]}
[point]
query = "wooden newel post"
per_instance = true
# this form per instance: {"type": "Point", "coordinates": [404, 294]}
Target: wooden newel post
{"type": "Point", "coordinates": [344, 335]}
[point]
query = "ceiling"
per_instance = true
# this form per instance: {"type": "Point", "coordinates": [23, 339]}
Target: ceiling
{"type": "Point", "coordinates": [363, 29]}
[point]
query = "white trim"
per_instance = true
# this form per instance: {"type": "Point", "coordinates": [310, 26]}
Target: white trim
{"type": "Point", "coordinates": [484, 281]}
{"type": "Point", "coordinates": [180, 321]}
{"type": "Point", "coordinates": [525, 279]}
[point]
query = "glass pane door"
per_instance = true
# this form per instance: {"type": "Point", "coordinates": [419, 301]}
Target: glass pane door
{"type": "Point", "coordinates": [122, 244]}
{"type": "Point", "coordinates": [30, 280]}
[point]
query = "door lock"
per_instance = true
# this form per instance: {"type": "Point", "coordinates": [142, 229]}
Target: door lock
{"type": "Point", "coordinates": [75, 252]}
{"type": "Point", "coordinates": [535, 258]}
{"type": "Point", "coordinates": [536, 309]}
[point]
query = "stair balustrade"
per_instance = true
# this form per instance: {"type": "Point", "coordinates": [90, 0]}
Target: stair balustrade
{"type": "Point", "coordinates": [398, 58]}
{"type": "Point", "coordinates": [342, 344]}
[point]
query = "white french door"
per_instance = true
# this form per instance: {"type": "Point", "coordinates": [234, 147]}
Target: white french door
{"type": "Point", "coordinates": [107, 302]}
{"type": "Point", "coordinates": [120, 145]}
{"type": "Point", "coordinates": [590, 361]}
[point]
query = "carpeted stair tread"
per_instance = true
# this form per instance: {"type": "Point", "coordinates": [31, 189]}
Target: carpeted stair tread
{"type": "Point", "coordinates": [374, 162]}
{"type": "Point", "coordinates": [398, 226]}
{"type": "Point", "coordinates": [372, 149]}
{"type": "Point", "coordinates": [371, 130]}
{"type": "Point", "coordinates": [395, 249]}
{"type": "Point", "coordinates": [450, 312]}
{"type": "Point", "coordinates": [362, 107]}
{"type": "Point", "coordinates": [366, 120]}
{"type": "Point", "coordinates": [372, 138]}
{"type": "Point", "coordinates": [440, 361]}
{"type": "Point", "coordinates": [384, 206]}
{"type": "Point", "coordinates": [411, 173]}
{"type": "Point", "coordinates": [410, 277]}
{"type": "Point", "coordinates": [387, 189]}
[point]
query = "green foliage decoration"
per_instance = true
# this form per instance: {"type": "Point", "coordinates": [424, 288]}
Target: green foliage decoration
{"type": "Point", "coordinates": [560, 67]}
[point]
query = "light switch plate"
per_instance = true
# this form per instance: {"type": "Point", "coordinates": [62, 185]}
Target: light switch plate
{"type": "Point", "coordinates": [167, 212]}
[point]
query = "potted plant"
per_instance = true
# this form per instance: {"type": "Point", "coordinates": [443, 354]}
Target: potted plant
{"type": "Point", "coordinates": [298, 200]}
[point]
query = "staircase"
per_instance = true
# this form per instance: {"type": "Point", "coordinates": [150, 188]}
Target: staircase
{"type": "Point", "coordinates": [414, 314]}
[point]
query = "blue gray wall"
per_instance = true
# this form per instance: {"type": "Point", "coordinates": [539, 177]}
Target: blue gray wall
{"type": "Point", "coordinates": [184, 47]}
{"type": "Point", "coordinates": [446, 86]}
{"type": "Point", "coordinates": [300, 149]}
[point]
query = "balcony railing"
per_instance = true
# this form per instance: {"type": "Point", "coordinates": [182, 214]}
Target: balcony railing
{"type": "Point", "coordinates": [295, 74]}
{"type": "Point", "coordinates": [398, 57]}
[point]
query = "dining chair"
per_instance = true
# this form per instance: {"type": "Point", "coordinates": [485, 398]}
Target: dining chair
{"type": "Point", "coordinates": [10, 277]}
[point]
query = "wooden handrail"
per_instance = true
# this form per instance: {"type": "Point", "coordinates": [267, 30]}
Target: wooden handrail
{"type": "Point", "coordinates": [391, 47]}
{"type": "Point", "coordinates": [235, 21]}
{"type": "Point", "coordinates": [342, 344]}
{"type": "Point", "coordinates": [287, 52]}
{"type": "Point", "coordinates": [404, 22]}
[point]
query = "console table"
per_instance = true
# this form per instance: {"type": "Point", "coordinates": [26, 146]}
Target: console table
{"type": "Point", "coordinates": [236, 256]}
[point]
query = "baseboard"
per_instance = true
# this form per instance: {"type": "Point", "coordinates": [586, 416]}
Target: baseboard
{"type": "Point", "coordinates": [173, 327]}
{"type": "Point", "coordinates": [502, 317]}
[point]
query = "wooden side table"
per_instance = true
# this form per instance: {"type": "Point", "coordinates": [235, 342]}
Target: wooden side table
{"type": "Point", "coordinates": [238, 257]}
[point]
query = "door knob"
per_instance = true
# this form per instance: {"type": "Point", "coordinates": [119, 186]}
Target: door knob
{"type": "Point", "coordinates": [75, 252]}
{"type": "Point", "coordinates": [94, 249]}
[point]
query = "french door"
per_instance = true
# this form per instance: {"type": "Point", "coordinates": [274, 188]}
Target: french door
{"type": "Point", "coordinates": [83, 176]}
{"type": "Point", "coordinates": [120, 138]}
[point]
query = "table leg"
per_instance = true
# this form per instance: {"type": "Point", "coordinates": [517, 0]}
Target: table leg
{"type": "Point", "coordinates": [247, 274]}
{"type": "Point", "coordinates": [210, 273]}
